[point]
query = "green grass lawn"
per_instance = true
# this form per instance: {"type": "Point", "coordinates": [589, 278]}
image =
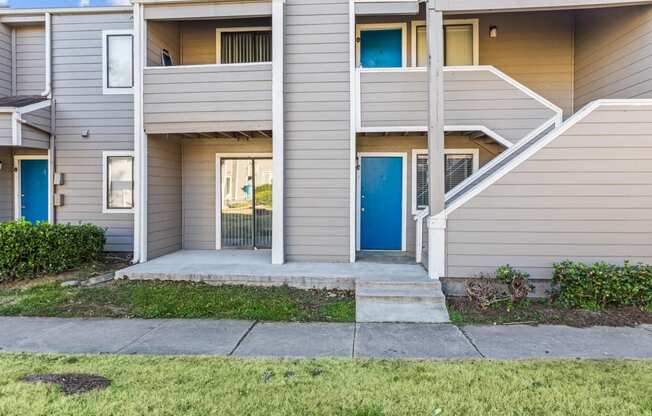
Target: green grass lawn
{"type": "Point", "coordinates": [220, 386]}
{"type": "Point", "coordinates": [122, 299]}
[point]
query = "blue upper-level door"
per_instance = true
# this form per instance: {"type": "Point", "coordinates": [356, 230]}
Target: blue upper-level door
{"type": "Point", "coordinates": [381, 48]}
{"type": "Point", "coordinates": [34, 190]}
{"type": "Point", "coordinates": [381, 202]}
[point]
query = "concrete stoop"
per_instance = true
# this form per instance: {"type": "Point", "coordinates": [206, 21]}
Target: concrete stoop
{"type": "Point", "coordinates": [422, 302]}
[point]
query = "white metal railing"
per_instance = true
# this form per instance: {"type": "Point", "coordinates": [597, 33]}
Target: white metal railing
{"type": "Point", "coordinates": [419, 219]}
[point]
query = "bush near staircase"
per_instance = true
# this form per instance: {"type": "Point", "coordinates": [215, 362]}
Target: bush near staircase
{"type": "Point", "coordinates": [603, 285]}
{"type": "Point", "coordinates": [30, 250]}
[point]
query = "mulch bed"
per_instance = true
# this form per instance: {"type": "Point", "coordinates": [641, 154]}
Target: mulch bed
{"type": "Point", "coordinates": [71, 383]}
{"type": "Point", "coordinates": [544, 312]}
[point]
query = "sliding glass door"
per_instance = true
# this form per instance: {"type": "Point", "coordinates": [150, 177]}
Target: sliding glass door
{"type": "Point", "coordinates": [246, 194]}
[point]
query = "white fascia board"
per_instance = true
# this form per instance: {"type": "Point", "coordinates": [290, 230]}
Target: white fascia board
{"type": "Point", "coordinates": [33, 107]}
{"type": "Point", "coordinates": [65, 10]}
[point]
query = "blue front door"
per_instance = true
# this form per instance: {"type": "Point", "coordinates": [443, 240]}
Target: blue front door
{"type": "Point", "coordinates": [34, 190]}
{"type": "Point", "coordinates": [381, 48]}
{"type": "Point", "coordinates": [381, 202]}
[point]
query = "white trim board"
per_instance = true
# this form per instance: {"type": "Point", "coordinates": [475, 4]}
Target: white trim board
{"type": "Point", "coordinates": [218, 39]}
{"type": "Point", "coordinates": [447, 22]}
{"type": "Point", "coordinates": [403, 156]}
{"type": "Point", "coordinates": [105, 177]}
{"type": "Point", "coordinates": [382, 26]}
{"type": "Point", "coordinates": [529, 152]}
{"type": "Point", "coordinates": [17, 184]}
{"type": "Point", "coordinates": [218, 188]}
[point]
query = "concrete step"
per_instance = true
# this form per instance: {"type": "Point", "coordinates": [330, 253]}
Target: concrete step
{"type": "Point", "coordinates": [400, 302]}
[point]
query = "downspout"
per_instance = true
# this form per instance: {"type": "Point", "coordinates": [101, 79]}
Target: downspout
{"type": "Point", "coordinates": [53, 116]}
{"type": "Point", "coordinates": [48, 56]}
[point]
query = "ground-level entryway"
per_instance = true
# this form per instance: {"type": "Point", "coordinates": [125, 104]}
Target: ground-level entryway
{"type": "Point", "coordinates": [384, 292]}
{"type": "Point", "coordinates": [292, 339]}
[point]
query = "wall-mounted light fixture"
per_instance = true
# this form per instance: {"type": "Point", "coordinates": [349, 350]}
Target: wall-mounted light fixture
{"type": "Point", "coordinates": [493, 32]}
{"type": "Point", "coordinates": [0, 165]}
{"type": "Point", "coordinates": [85, 133]}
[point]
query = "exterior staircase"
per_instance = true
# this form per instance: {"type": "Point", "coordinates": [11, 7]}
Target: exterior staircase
{"type": "Point", "coordinates": [421, 301]}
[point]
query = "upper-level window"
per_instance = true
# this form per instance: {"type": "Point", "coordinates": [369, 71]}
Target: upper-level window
{"type": "Point", "coordinates": [460, 43]}
{"type": "Point", "coordinates": [118, 61]}
{"type": "Point", "coordinates": [381, 45]}
{"type": "Point", "coordinates": [244, 45]}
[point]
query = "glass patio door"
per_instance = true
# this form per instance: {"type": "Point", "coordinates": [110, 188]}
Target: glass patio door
{"type": "Point", "coordinates": [246, 193]}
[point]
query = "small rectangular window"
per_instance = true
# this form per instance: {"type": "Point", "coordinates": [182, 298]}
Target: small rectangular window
{"type": "Point", "coordinates": [118, 182]}
{"type": "Point", "coordinates": [458, 167]}
{"type": "Point", "coordinates": [422, 181]}
{"type": "Point", "coordinates": [118, 62]}
{"type": "Point", "coordinates": [244, 46]}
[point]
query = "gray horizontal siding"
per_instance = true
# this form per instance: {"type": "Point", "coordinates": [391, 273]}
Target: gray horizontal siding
{"type": "Point", "coordinates": [6, 185]}
{"type": "Point", "coordinates": [208, 10]}
{"type": "Point", "coordinates": [613, 54]}
{"type": "Point", "coordinates": [317, 145]}
{"type": "Point", "coordinates": [30, 60]}
{"type": "Point", "coordinates": [77, 87]}
{"type": "Point", "coordinates": [587, 196]}
{"type": "Point", "coordinates": [384, 8]}
{"type": "Point", "coordinates": [208, 98]}
{"type": "Point", "coordinates": [6, 130]}
{"type": "Point", "coordinates": [399, 99]}
{"type": "Point", "coordinates": [5, 60]}
{"type": "Point", "coordinates": [164, 209]}
{"type": "Point", "coordinates": [34, 138]}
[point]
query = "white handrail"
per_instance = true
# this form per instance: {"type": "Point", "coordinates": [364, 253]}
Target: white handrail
{"type": "Point", "coordinates": [419, 217]}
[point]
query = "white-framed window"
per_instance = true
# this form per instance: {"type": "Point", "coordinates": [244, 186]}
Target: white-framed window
{"type": "Point", "coordinates": [241, 45]}
{"type": "Point", "coordinates": [117, 181]}
{"type": "Point", "coordinates": [461, 42]}
{"type": "Point", "coordinates": [117, 62]}
{"type": "Point", "coordinates": [383, 45]}
{"type": "Point", "coordinates": [459, 164]}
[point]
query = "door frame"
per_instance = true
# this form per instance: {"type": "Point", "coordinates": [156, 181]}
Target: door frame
{"type": "Point", "coordinates": [17, 185]}
{"type": "Point", "coordinates": [218, 188]}
{"type": "Point", "coordinates": [404, 158]}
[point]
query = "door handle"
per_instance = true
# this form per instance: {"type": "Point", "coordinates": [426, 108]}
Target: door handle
{"type": "Point", "coordinates": [361, 209]}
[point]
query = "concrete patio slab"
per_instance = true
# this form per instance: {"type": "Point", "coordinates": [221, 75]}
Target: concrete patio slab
{"type": "Point", "coordinates": [88, 336]}
{"type": "Point", "coordinates": [14, 330]}
{"type": "Point", "coordinates": [524, 341]}
{"type": "Point", "coordinates": [191, 337]}
{"type": "Point", "coordinates": [298, 340]}
{"type": "Point", "coordinates": [412, 341]}
{"type": "Point", "coordinates": [253, 267]}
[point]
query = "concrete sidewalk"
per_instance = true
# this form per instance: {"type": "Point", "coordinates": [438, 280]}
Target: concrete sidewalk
{"type": "Point", "coordinates": [267, 339]}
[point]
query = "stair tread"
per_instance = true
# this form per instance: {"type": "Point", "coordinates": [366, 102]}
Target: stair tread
{"type": "Point", "coordinates": [393, 292]}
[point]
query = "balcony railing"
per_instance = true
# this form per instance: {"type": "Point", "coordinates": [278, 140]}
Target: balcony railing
{"type": "Point", "coordinates": [475, 98]}
{"type": "Point", "coordinates": [208, 98]}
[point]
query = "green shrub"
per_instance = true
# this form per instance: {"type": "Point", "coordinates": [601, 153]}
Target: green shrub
{"type": "Point", "coordinates": [29, 250]}
{"type": "Point", "coordinates": [602, 285]}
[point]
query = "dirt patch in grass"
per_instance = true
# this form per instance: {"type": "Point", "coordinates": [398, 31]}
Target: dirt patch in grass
{"type": "Point", "coordinates": [463, 311]}
{"type": "Point", "coordinates": [110, 263]}
{"type": "Point", "coordinates": [71, 383]}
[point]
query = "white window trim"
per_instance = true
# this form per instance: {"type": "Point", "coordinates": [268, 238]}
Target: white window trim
{"type": "Point", "coordinates": [105, 62]}
{"type": "Point", "coordinates": [17, 183]}
{"type": "Point", "coordinates": [218, 40]}
{"type": "Point", "coordinates": [404, 160]}
{"type": "Point", "coordinates": [475, 153]}
{"type": "Point", "coordinates": [105, 173]}
{"type": "Point", "coordinates": [476, 36]}
{"type": "Point", "coordinates": [218, 189]}
{"type": "Point", "coordinates": [381, 26]}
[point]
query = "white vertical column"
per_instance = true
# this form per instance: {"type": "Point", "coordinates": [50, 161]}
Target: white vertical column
{"type": "Point", "coordinates": [140, 139]}
{"type": "Point", "coordinates": [437, 222]}
{"type": "Point", "coordinates": [353, 126]}
{"type": "Point", "coordinates": [278, 248]}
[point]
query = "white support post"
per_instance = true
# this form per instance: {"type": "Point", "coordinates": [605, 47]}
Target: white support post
{"type": "Point", "coordinates": [437, 223]}
{"type": "Point", "coordinates": [140, 141]}
{"type": "Point", "coordinates": [278, 248]}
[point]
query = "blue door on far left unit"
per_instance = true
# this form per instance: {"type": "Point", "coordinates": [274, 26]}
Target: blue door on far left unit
{"type": "Point", "coordinates": [34, 190]}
